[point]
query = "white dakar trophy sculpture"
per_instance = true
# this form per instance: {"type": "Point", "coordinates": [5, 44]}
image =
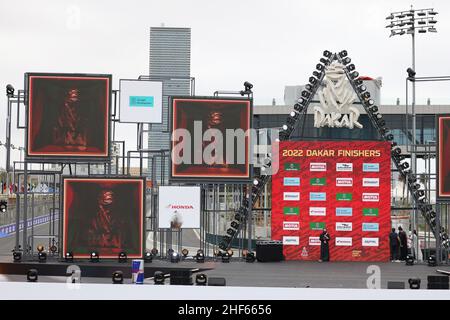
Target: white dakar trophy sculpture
{"type": "Point", "coordinates": [336, 98]}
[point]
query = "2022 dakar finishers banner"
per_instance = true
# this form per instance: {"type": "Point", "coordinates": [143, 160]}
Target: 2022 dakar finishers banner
{"type": "Point", "coordinates": [342, 186]}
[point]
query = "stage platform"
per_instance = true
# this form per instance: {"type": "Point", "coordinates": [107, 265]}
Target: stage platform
{"type": "Point", "coordinates": [101, 269]}
{"type": "Point", "coordinates": [287, 274]}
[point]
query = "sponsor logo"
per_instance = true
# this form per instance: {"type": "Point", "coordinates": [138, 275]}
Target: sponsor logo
{"type": "Point", "coordinates": [291, 241]}
{"type": "Point", "coordinates": [291, 182]}
{"type": "Point", "coordinates": [370, 242]}
{"type": "Point", "coordinates": [317, 225]}
{"type": "Point", "coordinates": [371, 182]}
{"type": "Point", "coordinates": [180, 206]}
{"type": "Point", "coordinates": [344, 196]}
{"type": "Point", "coordinates": [318, 166]}
{"type": "Point", "coordinates": [290, 166]}
{"type": "Point", "coordinates": [317, 196]}
{"type": "Point", "coordinates": [370, 197]}
{"type": "Point", "coordinates": [370, 212]}
{"type": "Point", "coordinates": [291, 196]}
{"type": "Point", "coordinates": [317, 211]}
{"type": "Point", "coordinates": [314, 241]}
{"type": "Point", "coordinates": [344, 167]}
{"type": "Point", "coordinates": [318, 181]}
{"type": "Point", "coordinates": [291, 225]}
{"type": "Point", "coordinates": [370, 226]}
{"type": "Point", "coordinates": [344, 226]}
{"type": "Point", "coordinates": [344, 212]}
{"type": "Point", "coordinates": [344, 182]}
{"type": "Point", "coordinates": [142, 101]}
{"type": "Point", "coordinates": [371, 167]}
{"type": "Point", "coordinates": [305, 252]}
{"type": "Point", "coordinates": [356, 253]}
{"type": "Point", "coordinates": [344, 241]}
{"type": "Point", "coordinates": [291, 211]}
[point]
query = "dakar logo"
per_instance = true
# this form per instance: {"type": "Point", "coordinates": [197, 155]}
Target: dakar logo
{"type": "Point", "coordinates": [180, 206]}
{"type": "Point", "coordinates": [336, 99]}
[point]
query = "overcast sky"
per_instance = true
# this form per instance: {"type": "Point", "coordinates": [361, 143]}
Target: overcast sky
{"type": "Point", "coordinates": [269, 43]}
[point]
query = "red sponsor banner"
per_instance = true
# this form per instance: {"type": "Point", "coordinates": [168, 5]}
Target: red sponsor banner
{"type": "Point", "coordinates": [335, 194]}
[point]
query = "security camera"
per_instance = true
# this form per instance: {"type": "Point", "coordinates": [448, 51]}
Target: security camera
{"type": "Point", "coordinates": [411, 73]}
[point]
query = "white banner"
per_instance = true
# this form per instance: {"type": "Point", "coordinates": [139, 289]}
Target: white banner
{"type": "Point", "coordinates": [140, 101]}
{"type": "Point", "coordinates": [179, 207]}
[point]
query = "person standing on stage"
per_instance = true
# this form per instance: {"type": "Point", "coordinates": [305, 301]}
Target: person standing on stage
{"type": "Point", "coordinates": [403, 243]}
{"type": "Point", "coordinates": [394, 243]}
{"type": "Point", "coordinates": [324, 246]}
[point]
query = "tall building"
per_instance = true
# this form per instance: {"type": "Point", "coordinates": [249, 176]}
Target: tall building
{"type": "Point", "coordinates": [170, 62]}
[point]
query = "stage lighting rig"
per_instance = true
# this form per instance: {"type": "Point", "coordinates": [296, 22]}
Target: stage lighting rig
{"type": "Point", "coordinates": [3, 206]}
{"type": "Point", "coordinates": [174, 257]}
{"type": "Point", "coordinates": [225, 257]}
{"type": "Point", "coordinates": [32, 275]}
{"type": "Point", "coordinates": [122, 257]}
{"type": "Point", "coordinates": [158, 277]}
{"type": "Point", "coordinates": [94, 257]}
{"type": "Point", "coordinates": [343, 53]}
{"type": "Point", "coordinates": [117, 277]}
{"type": "Point", "coordinates": [17, 256]}
{"type": "Point", "coordinates": [154, 251]}
{"type": "Point", "coordinates": [409, 260]}
{"type": "Point", "coordinates": [42, 256]}
{"type": "Point", "coordinates": [200, 257]}
{"type": "Point", "coordinates": [432, 261]}
{"type": "Point", "coordinates": [9, 90]}
{"type": "Point", "coordinates": [201, 279]}
{"type": "Point", "coordinates": [185, 252]}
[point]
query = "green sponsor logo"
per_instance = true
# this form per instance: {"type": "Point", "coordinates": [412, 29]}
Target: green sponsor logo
{"type": "Point", "coordinates": [142, 101]}
{"type": "Point", "coordinates": [344, 196]}
{"type": "Point", "coordinates": [370, 212]}
{"type": "Point", "coordinates": [290, 166]}
{"type": "Point", "coordinates": [317, 225]}
{"type": "Point", "coordinates": [291, 210]}
{"type": "Point", "coordinates": [318, 181]}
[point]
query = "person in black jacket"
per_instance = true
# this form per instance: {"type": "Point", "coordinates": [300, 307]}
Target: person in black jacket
{"type": "Point", "coordinates": [324, 246]}
{"type": "Point", "coordinates": [403, 243]}
{"type": "Point", "coordinates": [394, 244]}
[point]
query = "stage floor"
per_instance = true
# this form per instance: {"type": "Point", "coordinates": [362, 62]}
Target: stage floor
{"type": "Point", "coordinates": [287, 274]}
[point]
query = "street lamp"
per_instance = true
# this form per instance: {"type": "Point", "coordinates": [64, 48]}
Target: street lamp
{"type": "Point", "coordinates": [410, 22]}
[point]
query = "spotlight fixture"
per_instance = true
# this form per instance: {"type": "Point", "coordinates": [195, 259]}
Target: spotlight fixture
{"type": "Point", "coordinates": [414, 283]}
{"type": "Point", "coordinates": [432, 261]}
{"type": "Point", "coordinates": [250, 257]}
{"type": "Point", "coordinates": [234, 224]}
{"type": "Point", "coordinates": [411, 73]}
{"type": "Point", "coordinates": [154, 251]}
{"type": "Point", "coordinates": [313, 80]}
{"type": "Point", "coordinates": [9, 91]}
{"type": "Point", "coordinates": [158, 277]}
{"type": "Point", "coordinates": [362, 88]}
{"type": "Point", "coordinates": [298, 107]}
{"type": "Point", "coordinates": [122, 258]}
{"type": "Point", "coordinates": [225, 257]}
{"type": "Point", "coordinates": [320, 67]}
{"type": "Point", "coordinates": [68, 257]}
{"type": "Point", "coordinates": [324, 61]}
{"type": "Point", "coordinates": [200, 257]}
{"type": "Point", "coordinates": [373, 109]}
{"type": "Point", "coordinates": [174, 257]}
{"type": "Point", "coordinates": [217, 253]}
{"type": "Point", "coordinates": [409, 260]}
{"type": "Point", "coordinates": [327, 54]}
{"type": "Point", "coordinates": [306, 94]}
{"type": "Point", "coordinates": [366, 95]}
{"type": "Point", "coordinates": [244, 253]}
{"type": "Point", "coordinates": [94, 257]}
{"type": "Point", "coordinates": [343, 53]}
{"type": "Point", "coordinates": [17, 256]}
{"type": "Point", "coordinates": [231, 232]}
{"type": "Point", "coordinates": [42, 256]}
{"type": "Point", "coordinates": [53, 249]}
{"type": "Point", "coordinates": [117, 277]}
{"type": "Point", "coordinates": [317, 74]}
{"type": "Point", "coordinates": [354, 75]}
{"type": "Point", "coordinates": [185, 252]}
{"type": "Point", "coordinates": [223, 245]}
{"type": "Point", "coordinates": [32, 275]}
{"type": "Point", "coordinates": [148, 257]}
{"type": "Point", "coordinates": [40, 248]}
{"type": "Point", "coordinates": [3, 206]}
{"type": "Point", "coordinates": [346, 61]}
{"type": "Point", "coordinates": [230, 252]}
{"type": "Point", "coordinates": [201, 279]}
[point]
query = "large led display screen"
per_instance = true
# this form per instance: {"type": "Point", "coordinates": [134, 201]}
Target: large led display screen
{"type": "Point", "coordinates": [104, 215]}
{"type": "Point", "coordinates": [344, 187]}
{"type": "Point", "coordinates": [443, 157]}
{"type": "Point", "coordinates": [68, 116]}
{"type": "Point", "coordinates": [210, 139]}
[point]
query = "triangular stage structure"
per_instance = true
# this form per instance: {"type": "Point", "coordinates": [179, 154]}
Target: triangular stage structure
{"type": "Point", "coordinates": [342, 63]}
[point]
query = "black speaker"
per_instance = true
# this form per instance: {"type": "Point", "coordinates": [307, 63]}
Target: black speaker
{"type": "Point", "coordinates": [216, 281]}
{"type": "Point", "coordinates": [438, 282]}
{"type": "Point", "coordinates": [181, 277]}
{"type": "Point", "coordinates": [269, 251]}
{"type": "Point", "coordinates": [395, 285]}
